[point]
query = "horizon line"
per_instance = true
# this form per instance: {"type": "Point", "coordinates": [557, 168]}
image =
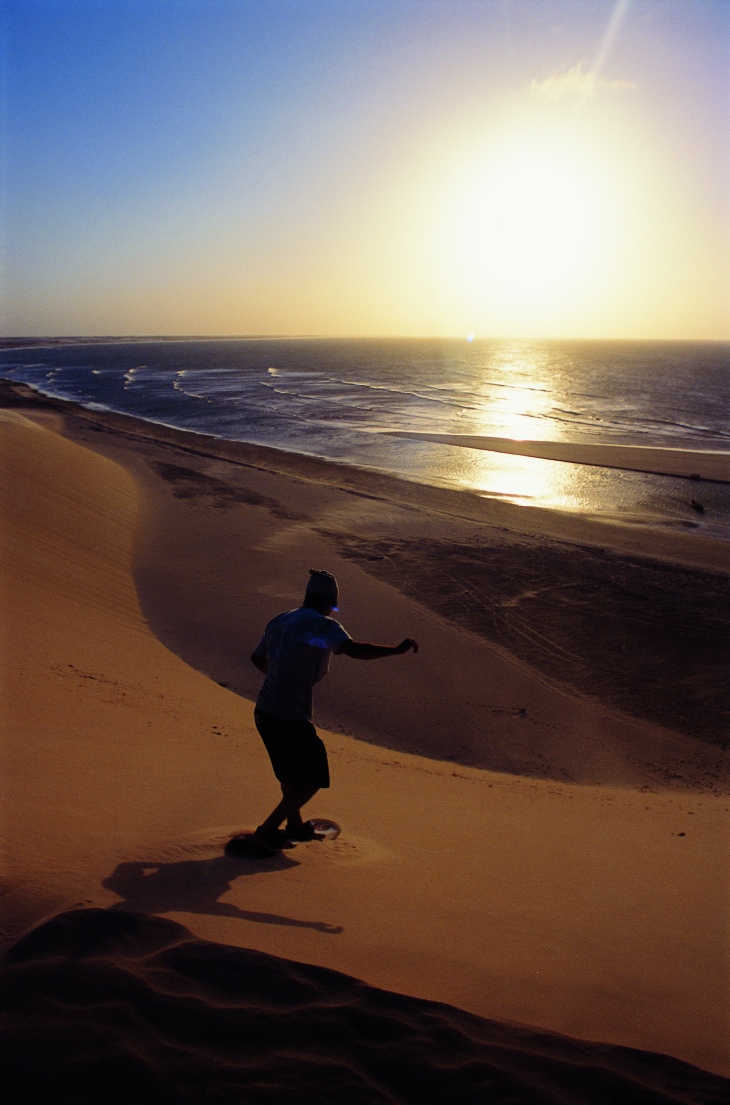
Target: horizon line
{"type": "Point", "coordinates": [15, 340]}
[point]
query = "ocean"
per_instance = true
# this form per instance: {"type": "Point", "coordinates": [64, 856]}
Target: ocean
{"type": "Point", "coordinates": [349, 400]}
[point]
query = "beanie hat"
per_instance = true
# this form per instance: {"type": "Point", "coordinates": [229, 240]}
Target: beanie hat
{"type": "Point", "coordinates": [322, 585]}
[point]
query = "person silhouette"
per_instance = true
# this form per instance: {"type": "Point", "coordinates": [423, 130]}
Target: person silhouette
{"type": "Point", "coordinates": [294, 654]}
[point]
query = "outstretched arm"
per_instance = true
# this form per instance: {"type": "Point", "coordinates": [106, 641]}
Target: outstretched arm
{"type": "Point", "coordinates": [361, 650]}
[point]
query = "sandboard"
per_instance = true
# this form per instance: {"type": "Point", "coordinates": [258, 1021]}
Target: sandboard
{"type": "Point", "coordinates": [325, 828]}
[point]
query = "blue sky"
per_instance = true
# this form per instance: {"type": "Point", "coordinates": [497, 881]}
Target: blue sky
{"type": "Point", "coordinates": [536, 168]}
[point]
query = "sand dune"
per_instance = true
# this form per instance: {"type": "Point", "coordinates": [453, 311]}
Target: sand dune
{"type": "Point", "coordinates": [597, 911]}
{"type": "Point", "coordinates": [144, 1012]}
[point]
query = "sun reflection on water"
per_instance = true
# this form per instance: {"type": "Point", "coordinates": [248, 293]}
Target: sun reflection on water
{"type": "Point", "coordinates": [518, 410]}
{"type": "Point", "coordinates": [516, 396]}
{"type": "Point", "coordinates": [521, 479]}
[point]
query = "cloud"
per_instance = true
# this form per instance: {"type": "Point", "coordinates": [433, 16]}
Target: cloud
{"type": "Point", "coordinates": [576, 83]}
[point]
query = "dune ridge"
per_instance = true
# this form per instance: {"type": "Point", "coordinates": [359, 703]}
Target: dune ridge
{"type": "Point", "coordinates": [145, 1012]}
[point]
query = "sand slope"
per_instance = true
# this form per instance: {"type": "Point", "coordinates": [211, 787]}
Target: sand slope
{"type": "Point", "coordinates": [596, 912]}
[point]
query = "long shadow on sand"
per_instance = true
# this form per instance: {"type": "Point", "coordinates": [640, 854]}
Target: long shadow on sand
{"type": "Point", "coordinates": [196, 886]}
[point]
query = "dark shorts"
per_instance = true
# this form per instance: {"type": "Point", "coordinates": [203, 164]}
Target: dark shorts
{"type": "Point", "coordinates": [296, 752]}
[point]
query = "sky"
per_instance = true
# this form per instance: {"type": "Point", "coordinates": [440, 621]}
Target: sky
{"type": "Point", "coordinates": [501, 168]}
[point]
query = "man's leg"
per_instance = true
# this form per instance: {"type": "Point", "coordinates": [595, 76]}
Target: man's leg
{"type": "Point", "coordinates": [295, 795]}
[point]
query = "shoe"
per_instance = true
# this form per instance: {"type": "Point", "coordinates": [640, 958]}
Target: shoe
{"type": "Point", "coordinates": [299, 833]}
{"type": "Point", "coordinates": [271, 838]}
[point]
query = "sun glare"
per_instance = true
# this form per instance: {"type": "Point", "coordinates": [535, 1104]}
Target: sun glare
{"type": "Point", "coordinates": [526, 228]}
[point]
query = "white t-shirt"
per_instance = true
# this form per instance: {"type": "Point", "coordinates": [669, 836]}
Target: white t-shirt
{"type": "Point", "coordinates": [297, 647]}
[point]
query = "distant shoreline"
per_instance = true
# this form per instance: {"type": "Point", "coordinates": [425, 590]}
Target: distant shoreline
{"type": "Point", "coordinates": [109, 339]}
{"type": "Point", "coordinates": [634, 535]}
{"type": "Point", "coordinates": [49, 342]}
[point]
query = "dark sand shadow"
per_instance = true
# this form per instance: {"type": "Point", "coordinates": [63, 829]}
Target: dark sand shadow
{"type": "Point", "coordinates": [196, 886]}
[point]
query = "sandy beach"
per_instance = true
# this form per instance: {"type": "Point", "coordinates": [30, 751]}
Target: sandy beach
{"type": "Point", "coordinates": [530, 886]}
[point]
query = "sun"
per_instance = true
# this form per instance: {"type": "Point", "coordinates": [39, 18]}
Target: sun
{"type": "Point", "coordinates": [526, 228]}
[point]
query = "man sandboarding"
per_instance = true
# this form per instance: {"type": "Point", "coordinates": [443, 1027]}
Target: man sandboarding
{"type": "Point", "coordinates": [294, 654]}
